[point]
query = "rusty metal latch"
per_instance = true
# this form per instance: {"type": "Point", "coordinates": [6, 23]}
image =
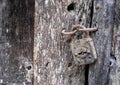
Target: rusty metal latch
{"type": "Point", "coordinates": [83, 49]}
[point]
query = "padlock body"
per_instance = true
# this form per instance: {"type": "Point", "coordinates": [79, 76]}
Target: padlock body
{"type": "Point", "coordinates": [83, 51]}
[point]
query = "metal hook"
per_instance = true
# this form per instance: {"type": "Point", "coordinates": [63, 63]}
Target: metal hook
{"type": "Point", "coordinates": [69, 33]}
{"type": "Point", "coordinates": [76, 28]}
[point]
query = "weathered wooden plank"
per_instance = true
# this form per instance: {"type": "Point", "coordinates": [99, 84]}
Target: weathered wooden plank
{"type": "Point", "coordinates": [53, 63]}
{"type": "Point", "coordinates": [103, 16]}
{"type": "Point", "coordinates": [115, 70]}
{"type": "Point", "coordinates": [16, 41]}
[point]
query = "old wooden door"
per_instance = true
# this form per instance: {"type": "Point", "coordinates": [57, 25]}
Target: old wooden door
{"type": "Point", "coordinates": [34, 52]}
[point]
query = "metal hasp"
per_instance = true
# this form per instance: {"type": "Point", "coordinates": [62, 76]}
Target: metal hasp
{"type": "Point", "coordinates": [83, 49]}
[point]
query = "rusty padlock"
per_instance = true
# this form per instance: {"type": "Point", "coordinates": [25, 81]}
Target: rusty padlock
{"type": "Point", "coordinates": [83, 49]}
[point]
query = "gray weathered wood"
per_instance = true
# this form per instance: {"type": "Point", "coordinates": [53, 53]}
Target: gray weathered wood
{"type": "Point", "coordinates": [115, 68]}
{"type": "Point", "coordinates": [103, 16]}
{"type": "Point", "coordinates": [51, 58]}
{"type": "Point", "coordinates": [16, 41]}
{"type": "Point", "coordinates": [53, 63]}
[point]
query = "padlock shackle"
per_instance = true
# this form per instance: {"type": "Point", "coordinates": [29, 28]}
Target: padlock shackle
{"type": "Point", "coordinates": [77, 27]}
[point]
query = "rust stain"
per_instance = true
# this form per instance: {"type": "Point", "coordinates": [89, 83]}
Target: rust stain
{"type": "Point", "coordinates": [64, 2]}
{"type": "Point", "coordinates": [35, 19]}
{"type": "Point", "coordinates": [52, 51]}
{"type": "Point", "coordinates": [36, 22]}
{"type": "Point", "coordinates": [114, 40]}
{"type": "Point", "coordinates": [52, 83]}
{"type": "Point", "coordinates": [98, 7]}
{"type": "Point", "coordinates": [110, 82]}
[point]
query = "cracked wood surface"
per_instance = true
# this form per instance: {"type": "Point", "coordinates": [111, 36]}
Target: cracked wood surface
{"type": "Point", "coordinates": [53, 62]}
{"type": "Point", "coordinates": [103, 16]}
{"type": "Point", "coordinates": [16, 42]}
{"type": "Point", "coordinates": [115, 68]}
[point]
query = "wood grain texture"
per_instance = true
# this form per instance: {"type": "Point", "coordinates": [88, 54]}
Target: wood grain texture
{"type": "Point", "coordinates": [16, 41]}
{"type": "Point", "coordinates": [24, 29]}
{"type": "Point", "coordinates": [103, 17]}
{"type": "Point", "coordinates": [53, 62]}
{"type": "Point", "coordinates": [115, 68]}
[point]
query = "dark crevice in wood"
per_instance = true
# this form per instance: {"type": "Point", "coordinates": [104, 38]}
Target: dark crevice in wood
{"type": "Point", "coordinates": [87, 66]}
{"type": "Point", "coordinates": [114, 32]}
{"type": "Point", "coordinates": [71, 6]}
{"type": "Point", "coordinates": [69, 64]}
{"type": "Point", "coordinates": [91, 14]}
{"type": "Point", "coordinates": [47, 64]}
{"type": "Point", "coordinates": [113, 59]}
{"type": "Point", "coordinates": [86, 74]}
{"type": "Point", "coordinates": [80, 20]}
{"type": "Point", "coordinates": [29, 67]}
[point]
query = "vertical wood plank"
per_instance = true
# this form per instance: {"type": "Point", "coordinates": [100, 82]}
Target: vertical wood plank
{"type": "Point", "coordinates": [53, 63]}
{"type": "Point", "coordinates": [16, 41]}
{"type": "Point", "coordinates": [115, 68]}
{"type": "Point", "coordinates": [103, 17]}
